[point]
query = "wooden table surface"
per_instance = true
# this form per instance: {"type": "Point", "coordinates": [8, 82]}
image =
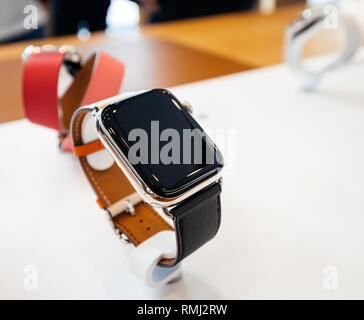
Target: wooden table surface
{"type": "Point", "coordinates": [247, 37]}
{"type": "Point", "coordinates": [250, 37]}
{"type": "Point", "coordinates": [149, 63]}
{"type": "Point", "coordinates": [170, 54]}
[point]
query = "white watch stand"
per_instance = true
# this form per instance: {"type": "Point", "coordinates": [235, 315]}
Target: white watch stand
{"type": "Point", "coordinates": [294, 45]}
{"type": "Point", "coordinates": [102, 159]}
{"type": "Point", "coordinates": [143, 260]}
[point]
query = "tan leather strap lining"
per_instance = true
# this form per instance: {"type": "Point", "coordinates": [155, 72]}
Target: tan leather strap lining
{"type": "Point", "coordinates": [74, 95]}
{"type": "Point", "coordinates": [110, 186]}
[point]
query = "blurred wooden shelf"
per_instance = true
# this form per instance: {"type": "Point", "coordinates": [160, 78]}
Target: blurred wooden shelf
{"type": "Point", "coordinates": [173, 53]}
{"type": "Point", "coordinates": [247, 37]}
{"type": "Point", "coordinates": [150, 62]}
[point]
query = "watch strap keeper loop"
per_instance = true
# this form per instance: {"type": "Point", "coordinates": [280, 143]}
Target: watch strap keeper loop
{"type": "Point", "coordinates": [88, 148]}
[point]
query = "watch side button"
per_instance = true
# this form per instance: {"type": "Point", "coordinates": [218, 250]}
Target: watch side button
{"type": "Point", "coordinates": [188, 106]}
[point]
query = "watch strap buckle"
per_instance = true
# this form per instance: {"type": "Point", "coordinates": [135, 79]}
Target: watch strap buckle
{"type": "Point", "coordinates": [126, 204]}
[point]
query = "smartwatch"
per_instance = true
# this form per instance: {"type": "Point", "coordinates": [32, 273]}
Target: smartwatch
{"type": "Point", "coordinates": [160, 171]}
{"type": "Point", "coordinates": [304, 27]}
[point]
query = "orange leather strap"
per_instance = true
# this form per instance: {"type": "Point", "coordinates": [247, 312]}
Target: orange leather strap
{"type": "Point", "coordinates": [111, 186]}
{"type": "Point", "coordinates": [88, 148]}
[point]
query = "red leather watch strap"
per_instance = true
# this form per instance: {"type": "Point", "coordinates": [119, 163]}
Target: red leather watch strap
{"type": "Point", "coordinates": [40, 80]}
{"type": "Point", "coordinates": [99, 78]}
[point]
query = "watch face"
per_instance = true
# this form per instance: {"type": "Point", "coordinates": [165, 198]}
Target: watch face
{"type": "Point", "coordinates": [162, 142]}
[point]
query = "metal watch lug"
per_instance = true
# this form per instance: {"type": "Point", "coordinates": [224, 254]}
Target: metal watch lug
{"type": "Point", "coordinates": [72, 59]}
{"type": "Point", "coordinates": [94, 111]}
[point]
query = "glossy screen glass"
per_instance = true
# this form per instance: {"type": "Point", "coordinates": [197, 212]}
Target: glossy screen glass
{"type": "Point", "coordinates": [155, 112]}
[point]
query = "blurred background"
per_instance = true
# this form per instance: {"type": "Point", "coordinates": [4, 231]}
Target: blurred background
{"type": "Point", "coordinates": [162, 42]}
{"type": "Point", "coordinates": [62, 17]}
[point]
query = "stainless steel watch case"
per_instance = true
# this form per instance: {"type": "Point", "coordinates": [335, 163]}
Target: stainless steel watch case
{"type": "Point", "coordinates": [135, 179]}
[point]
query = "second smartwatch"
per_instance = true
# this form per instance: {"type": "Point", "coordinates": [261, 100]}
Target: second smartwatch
{"type": "Point", "coordinates": [305, 26]}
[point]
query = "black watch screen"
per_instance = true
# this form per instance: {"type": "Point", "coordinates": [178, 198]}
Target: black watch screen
{"type": "Point", "coordinates": [162, 142]}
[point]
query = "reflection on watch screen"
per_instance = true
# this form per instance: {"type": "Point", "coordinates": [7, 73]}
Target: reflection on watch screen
{"type": "Point", "coordinates": [161, 140]}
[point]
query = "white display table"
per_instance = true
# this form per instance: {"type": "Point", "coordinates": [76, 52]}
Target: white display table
{"type": "Point", "coordinates": [293, 203]}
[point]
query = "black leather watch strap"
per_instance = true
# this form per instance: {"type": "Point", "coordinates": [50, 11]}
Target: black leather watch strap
{"type": "Point", "coordinates": [197, 220]}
